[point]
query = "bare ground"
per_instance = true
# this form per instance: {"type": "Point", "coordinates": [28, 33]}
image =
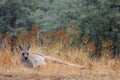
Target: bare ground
{"type": "Point", "coordinates": [21, 76]}
{"type": "Point", "coordinates": [53, 74]}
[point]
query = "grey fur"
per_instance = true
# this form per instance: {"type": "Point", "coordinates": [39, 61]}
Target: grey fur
{"type": "Point", "coordinates": [35, 60]}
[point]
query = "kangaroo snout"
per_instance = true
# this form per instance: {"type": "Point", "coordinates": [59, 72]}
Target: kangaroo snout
{"type": "Point", "coordinates": [26, 58]}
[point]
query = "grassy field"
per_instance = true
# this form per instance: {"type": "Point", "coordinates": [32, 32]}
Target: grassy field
{"type": "Point", "coordinates": [103, 69]}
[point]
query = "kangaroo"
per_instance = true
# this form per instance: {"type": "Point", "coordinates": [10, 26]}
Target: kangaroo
{"type": "Point", "coordinates": [34, 60]}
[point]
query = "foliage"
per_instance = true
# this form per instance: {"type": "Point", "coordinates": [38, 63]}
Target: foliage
{"type": "Point", "coordinates": [72, 22]}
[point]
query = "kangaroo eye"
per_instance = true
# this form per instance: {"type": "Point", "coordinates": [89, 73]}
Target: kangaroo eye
{"type": "Point", "coordinates": [27, 53]}
{"type": "Point", "coordinates": [23, 54]}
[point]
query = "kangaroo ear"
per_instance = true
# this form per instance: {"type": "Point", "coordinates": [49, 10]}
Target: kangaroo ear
{"type": "Point", "coordinates": [20, 48]}
{"type": "Point", "coordinates": [28, 47]}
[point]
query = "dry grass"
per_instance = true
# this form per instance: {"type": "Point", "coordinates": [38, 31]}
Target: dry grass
{"type": "Point", "coordinates": [104, 69]}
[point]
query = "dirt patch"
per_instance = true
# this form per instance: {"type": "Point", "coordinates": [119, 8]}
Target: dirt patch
{"type": "Point", "coordinates": [18, 76]}
{"type": "Point", "coordinates": [83, 75]}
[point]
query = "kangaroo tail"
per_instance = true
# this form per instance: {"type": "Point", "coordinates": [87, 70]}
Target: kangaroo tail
{"type": "Point", "coordinates": [63, 62]}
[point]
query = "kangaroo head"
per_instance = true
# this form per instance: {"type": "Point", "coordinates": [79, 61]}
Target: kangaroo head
{"type": "Point", "coordinates": [24, 54]}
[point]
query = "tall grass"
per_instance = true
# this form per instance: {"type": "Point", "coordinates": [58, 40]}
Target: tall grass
{"type": "Point", "coordinates": [57, 45]}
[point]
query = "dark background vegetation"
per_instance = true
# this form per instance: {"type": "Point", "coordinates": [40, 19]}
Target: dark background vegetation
{"type": "Point", "coordinates": [97, 19]}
